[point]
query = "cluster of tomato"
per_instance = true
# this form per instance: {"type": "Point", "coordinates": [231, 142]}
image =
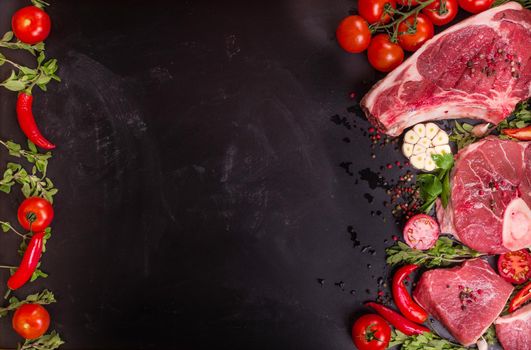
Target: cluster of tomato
{"type": "Point", "coordinates": [407, 31]}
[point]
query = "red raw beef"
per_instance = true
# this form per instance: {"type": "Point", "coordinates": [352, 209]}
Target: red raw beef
{"type": "Point", "coordinates": [466, 299]}
{"type": "Point", "coordinates": [479, 68]}
{"type": "Point", "coordinates": [514, 330]}
{"type": "Point", "coordinates": [491, 195]}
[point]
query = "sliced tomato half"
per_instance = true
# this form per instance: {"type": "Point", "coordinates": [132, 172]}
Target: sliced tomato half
{"type": "Point", "coordinates": [515, 267]}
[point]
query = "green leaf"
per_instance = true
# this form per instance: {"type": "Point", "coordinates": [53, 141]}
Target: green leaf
{"type": "Point", "coordinates": [430, 186]}
{"type": "Point", "coordinates": [26, 190]}
{"type": "Point", "coordinates": [32, 147]}
{"type": "Point", "coordinates": [7, 36]}
{"type": "Point", "coordinates": [444, 161]}
{"type": "Point", "coordinates": [14, 85]}
{"type": "Point", "coordinates": [5, 227]}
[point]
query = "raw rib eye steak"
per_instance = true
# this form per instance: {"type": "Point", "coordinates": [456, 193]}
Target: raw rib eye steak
{"type": "Point", "coordinates": [490, 196]}
{"type": "Point", "coordinates": [466, 299]}
{"type": "Point", "coordinates": [479, 68]}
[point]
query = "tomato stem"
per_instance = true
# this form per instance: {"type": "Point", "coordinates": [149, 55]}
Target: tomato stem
{"type": "Point", "coordinates": [403, 16]}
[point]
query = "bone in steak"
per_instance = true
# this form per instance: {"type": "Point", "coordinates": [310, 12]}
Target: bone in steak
{"type": "Point", "coordinates": [490, 196]}
{"type": "Point", "coordinates": [514, 330]}
{"type": "Point", "coordinates": [466, 299]}
{"type": "Point", "coordinates": [479, 68]}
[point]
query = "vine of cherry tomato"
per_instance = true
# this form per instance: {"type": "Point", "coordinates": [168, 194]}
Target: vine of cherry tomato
{"type": "Point", "coordinates": [31, 24]}
{"type": "Point", "coordinates": [353, 34]}
{"type": "Point", "coordinates": [31, 321]}
{"type": "Point", "coordinates": [383, 54]}
{"type": "Point", "coordinates": [424, 31]}
{"type": "Point", "coordinates": [475, 6]}
{"type": "Point", "coordinates": [440, 16]}
{"type": "Point", "coordinates": [373, 10]}
{"type": "Point", "coordinates": [406, 28]}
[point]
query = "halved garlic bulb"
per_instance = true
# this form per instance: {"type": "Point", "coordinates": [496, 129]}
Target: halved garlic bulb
{"type": "Point", "coordinates": [421, 142]}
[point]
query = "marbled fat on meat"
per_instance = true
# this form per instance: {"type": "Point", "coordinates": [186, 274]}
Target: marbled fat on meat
{"type": "Point", "coordinates": [479, 68]}
{"type": "Point", "coordinates": [466, 299]}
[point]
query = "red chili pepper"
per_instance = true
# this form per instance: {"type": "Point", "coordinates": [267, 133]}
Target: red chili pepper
{"type": "Point", "coordinates": [523, 296]}
{"type": "Point", "coordinates": [29, 263]}
{"type": "Point", "coordinates": [26, 120]}
{"type": "Point", "coordinates": [407, 306]}
{"type": "Point", "coordinates": [522, 134]}
{"type": "Point", "coordinates": [398, 321]}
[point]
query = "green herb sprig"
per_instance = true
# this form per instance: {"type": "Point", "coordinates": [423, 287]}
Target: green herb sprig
{"type": "Point", "coordinates": [433, 186]}
{"type": "Point", "coordinates": [34, 183]}
{"type": "Point", "coordinates": [50, 341]}
{"type": "Point", "coordinates": [445, 252]}
{"type": "Point", "coordinates": [462, 134]}
{"type": "Point", "coordinates": [519, 118]}
{"type": "Point", "coordinates": [424, 341]}
{"type": "Point", "coordinates": [43, 298]}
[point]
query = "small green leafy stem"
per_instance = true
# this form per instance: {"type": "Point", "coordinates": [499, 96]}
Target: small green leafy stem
{"type": "Point", "coordinates": [433, 186]}
{"type": "Point", "coordinates": [446, 251]}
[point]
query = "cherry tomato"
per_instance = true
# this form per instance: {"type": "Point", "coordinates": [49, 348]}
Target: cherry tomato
{"type": "Point", "coordinates": [424, 32]}
{"type": "Point", "coordinates": [31, 321]}
{"type": "Point", "coordinates": [353, 34]}
{"type": "Point", "coordinates": [515, 267]}
{"type": "Point", "coordinates": [31, 24]}
{"type": "Point", "coordinates": [35, 214]}
{"type": "Point", "coordinates": [408, 3]}
{"type": "Point", "coordinates": [441, 16]}
{"type": "Point", "coordinates": [373, 10]}
{"type": "Point", "coordinates": [475, 6]}
{"type": "Point", "coordinates": [383, 54]}
{"type": "Point", "coordinates": [371, 332]}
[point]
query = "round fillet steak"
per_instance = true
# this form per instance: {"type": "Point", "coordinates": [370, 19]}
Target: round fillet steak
{"type": "Point", "coordinates": [490, 196]}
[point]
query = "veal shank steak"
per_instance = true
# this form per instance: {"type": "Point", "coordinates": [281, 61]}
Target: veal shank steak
{"type": "Point", "coordinates": [489, 209]}
{"type": "Point", "coordinates": [479, 68]}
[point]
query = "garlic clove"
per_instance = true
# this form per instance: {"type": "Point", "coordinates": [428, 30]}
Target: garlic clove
{"type": "Point", "coordinates": [429, 164]}
{"type": "Point", "coordinates": [442, 149]}
{"type": "Point", "coordinates": [420, 129]}
{"type": "Point", "coordinates": [417, 161]}
{"type": "Point", "coordinates": [431, 130]}
{"type": "Point", "coordinates": [440, 139]}
{"type": "Point", "coordinates": [418, 149]}
{"type": "Point", "coordinates": [407, 149]}
{"type": "Point", "coordinates": [424, 142]}
{"type": "Point", "coordinates": [411, 137]}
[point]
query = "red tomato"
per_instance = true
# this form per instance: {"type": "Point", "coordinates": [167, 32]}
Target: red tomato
{"type": "Point", "coordinates": [371, 332]}
{"type": "Point", "coordinates": [383, 54]}
{"type": "Point", "coordinates": [31, 24]}
{"type": "Point", "coordinates": [441, 16]}
{"type": "Point", "coordinates": [424, 32]}
{"type": "Point", "coordinates": [475, 6]}
{"type": "Point", "coordinates": [353, 34]}
{"type": "Point", "coordinates": [515, 267]}
{"type": "Point", "coordinates": [35, 214]}
{"type": "Point", "coordinates": [31, 321]}
{"type": "Point", "coordinates": [408, 3]}
{"type": "Point", "coordinates": [373, 10]}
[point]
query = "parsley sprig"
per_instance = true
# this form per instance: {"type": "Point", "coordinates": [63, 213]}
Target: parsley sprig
{"type": "Point", "coordinates": [433, 186]}
{"type": "Point", "coordinates": [424, 341]}
{"type": "Point", "coordinates": [445, 252]}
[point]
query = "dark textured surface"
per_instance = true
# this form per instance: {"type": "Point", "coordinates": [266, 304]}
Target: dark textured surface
{"type": "Point", "coordinates": [201, 193]}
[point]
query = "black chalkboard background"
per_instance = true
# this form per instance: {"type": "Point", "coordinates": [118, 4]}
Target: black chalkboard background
{"type": "Point", "coordinates": [198, 161]}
